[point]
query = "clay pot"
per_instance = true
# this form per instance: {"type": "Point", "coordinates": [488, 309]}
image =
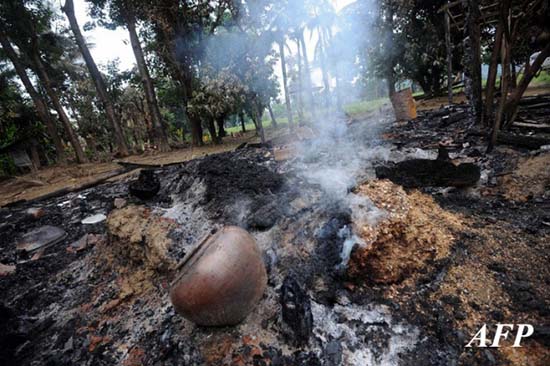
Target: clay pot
{"type": "Point", "coordinates": [221, 280]}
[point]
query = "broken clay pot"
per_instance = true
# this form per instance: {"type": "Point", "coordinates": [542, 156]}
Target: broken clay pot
{"type": "Point", "coordinates": [221, 280]}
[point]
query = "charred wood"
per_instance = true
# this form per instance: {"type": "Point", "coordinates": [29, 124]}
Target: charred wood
{"type": "Point", "coordinates": [416, 173]}
{"type": "Point", "coordinates": [528, 142]}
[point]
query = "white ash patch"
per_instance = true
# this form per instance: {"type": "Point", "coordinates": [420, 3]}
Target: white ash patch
{"type": "Point", "coordinates": [354, 325]}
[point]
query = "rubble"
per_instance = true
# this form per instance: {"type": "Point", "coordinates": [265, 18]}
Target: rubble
{"type": "Point", "coordinates": [142, 237]}
{"type": "Point", "coordinates": [429, 267]}
{"type": "Point", "coordinates": [430, 173]}
{"type": "Point", "coordinates": [414, 233]}
{"type": "Point", "coordinates": [296, 311]}
{"type": "Point", "coordinates": [85, 242]}
{"type": "Point", "coordinates": [39, 238]}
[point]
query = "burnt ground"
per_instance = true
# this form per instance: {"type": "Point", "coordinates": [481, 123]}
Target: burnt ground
{"type": "Point", "coordinates": [101, 305]}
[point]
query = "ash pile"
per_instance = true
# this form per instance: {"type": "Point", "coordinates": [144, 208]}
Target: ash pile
{"type": "Point", "coordinates": [355, 266]}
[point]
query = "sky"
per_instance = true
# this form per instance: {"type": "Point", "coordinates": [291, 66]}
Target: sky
{"type": "Point", "coordinates": [109, 45]}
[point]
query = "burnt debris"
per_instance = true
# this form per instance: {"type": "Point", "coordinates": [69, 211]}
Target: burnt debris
{"type": "Point", "coordinates": [146, 186]}
{"type": "Point", "coordinates": [296, 311]}
{"type": "Point", "coordinates": [416, 173]}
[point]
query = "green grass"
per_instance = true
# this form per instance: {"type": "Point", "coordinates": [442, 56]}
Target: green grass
{"type": "Point", "coordinates": [365, 106]}
{"type": "Point", "coordinates": [542, 79]}
{"type": "Point", "coordinates": [266, 123]}
{"type": "Point", "coordinates": [352, 109]}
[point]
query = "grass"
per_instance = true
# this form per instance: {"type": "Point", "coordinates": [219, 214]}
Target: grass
{"type": "Point", "coordinates": [266, 123]}
{"type": "Point", "coordinates": [365, 106]}
{"type": "Point", "coordinates": [352, 109]}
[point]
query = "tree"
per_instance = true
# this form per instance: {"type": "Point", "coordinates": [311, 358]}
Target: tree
{"type": "Point", "coordinates": [124, 13]}
{"type": "Point", "coordinates": [182, 31]}
{"type": "Point", "coordinates": [39, 103]}
{"type": "Point", "coordinates": [68, 9]}
{"type": "Point", "coordinates": [19, 123]}
{"type": "Point", "coordinates": [40, 70]}
{"type": "Point", "coordinates": [151, 98]}
{"type": "Point", "coordinates": [281, 43]}
{"type": "Point", "coordinates": [29, 28]}
{"type": "Point", "coordinates": [219, 96]}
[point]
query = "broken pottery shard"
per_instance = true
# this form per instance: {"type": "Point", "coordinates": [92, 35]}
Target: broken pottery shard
{"type": "Point", "coordinates": [35, 212]}
{"type": "Point", "coordinates": [221, 279]}
{"type": "Point", "coordinates": [94, 219]}
{"type": "Point", "coordinates": [430, 173]}
{"type": "Point", "coordinates": [146, 186]}
{"type": "Point", "coordinates": [296, 311]}
{"type": "Point", "coordinates": [84, 242]}
{"type": "Point", "coordinates": [119, 202]}
{"type": "Point", "coordinates": [42, 237]}
{"type": "Point", "coordinates": [6, 269]}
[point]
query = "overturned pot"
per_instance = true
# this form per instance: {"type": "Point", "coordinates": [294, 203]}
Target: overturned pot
{"type": "Point", "coordinates": [221, 280]}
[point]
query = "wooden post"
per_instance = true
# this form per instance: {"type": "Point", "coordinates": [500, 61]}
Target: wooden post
{"type": "Point", "coordinates": [472, 57]}
{"type": "Point", "coordinates": [449, 46]}
{"type": "Point", "coordinates": [491, 78]}
{"type": "Point", "coordinates": [505, 57]}
{"type": "Point", "coordinates": [530, 71]}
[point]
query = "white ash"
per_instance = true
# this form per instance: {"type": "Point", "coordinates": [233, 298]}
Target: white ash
{"type": "Point", "coordinates": [352, 324]}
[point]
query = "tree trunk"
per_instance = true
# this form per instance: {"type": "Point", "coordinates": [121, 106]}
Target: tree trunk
{"type": "Point", "coordinates": [196, 131]}
{"type": "Point", "coordinates": [35, 157]}
{"type": "Point", "coordinates": [212, 130]}
{"type": "Point", "coordinates": [243, 126]}
{"type": "Point", "coordinates": [161, 138]}
{"type": "Point", "coordinates": [68, 8]}
{"type": "Point", "coordinates": [300, 86]}
{"type": "Point", "coordinates": [273, 120]}
{"type": "Point", "coordinates": [221, 129]}
{"type": "Point", "coordinates": [46, 82]}
{"type": "Point", "coordinates": [308, 76]}
{"type": "Point", "coordinates": [39, 103]}
{"type": "Point", "coordinates": [390, 77]}
{"type": "Point", "coordinates": [285, 85]}
{"type": "Point", "coordinates": [324, 70]}
{"type": "Point", "coordinates": [259, 125]}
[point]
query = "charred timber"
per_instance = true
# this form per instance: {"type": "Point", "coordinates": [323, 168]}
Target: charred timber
{"type": "Point", "coordinates": [417, 173]}
{"type": "Point", "coordinates": [527, 142]}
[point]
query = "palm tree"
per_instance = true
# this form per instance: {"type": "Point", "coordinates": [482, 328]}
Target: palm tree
{"type": "Point", "coordinates": [322, 24]}
{"type": "Point", "coordinates": [99, 83]}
